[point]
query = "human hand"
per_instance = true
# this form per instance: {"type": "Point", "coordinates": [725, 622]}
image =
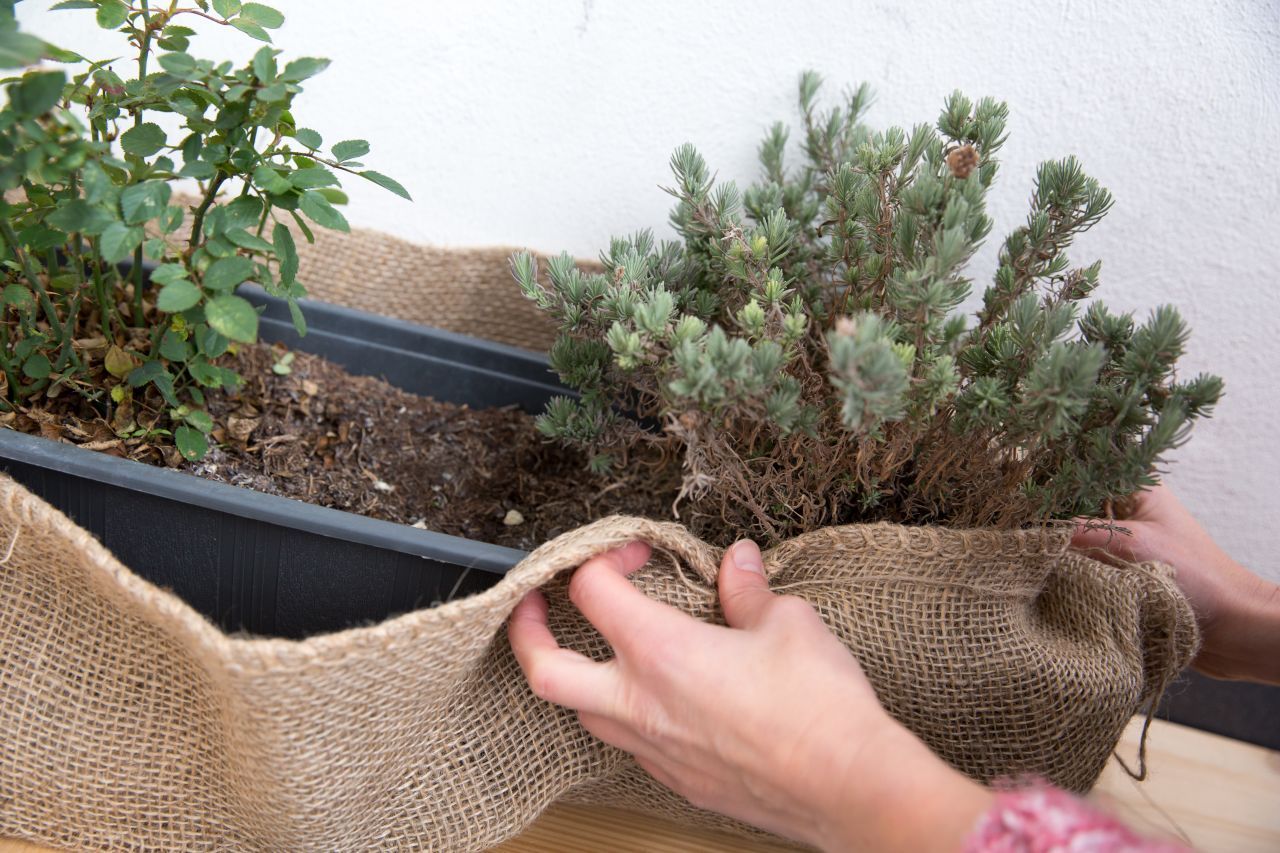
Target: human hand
{"type": "Point", "coordinates": [1239, 612]}
{"type": "Point", "coordinates": [770, 720]}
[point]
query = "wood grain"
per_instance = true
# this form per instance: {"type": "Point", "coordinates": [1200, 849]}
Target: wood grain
{"type": "Point", "coordinates": [1212, 792]}
{"type": "Point", "coordinates": [1220, 795]}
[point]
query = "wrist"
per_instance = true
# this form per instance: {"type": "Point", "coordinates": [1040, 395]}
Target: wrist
{"type": "Point", "coordinates": [1242, 630]}
{"type": "Point", "coordinates": [910, 800]}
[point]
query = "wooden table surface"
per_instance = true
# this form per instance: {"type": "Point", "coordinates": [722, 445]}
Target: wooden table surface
{"type": "Point", "coordinates": [1216, 793]}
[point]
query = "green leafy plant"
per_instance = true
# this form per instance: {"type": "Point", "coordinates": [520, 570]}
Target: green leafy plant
{"type": "Point", "coordinates": [801, 353]}
{"type": "Point", "coordinates": [89, 173]}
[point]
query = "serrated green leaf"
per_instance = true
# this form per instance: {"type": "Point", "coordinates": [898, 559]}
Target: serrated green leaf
{"type": "Point", "coordinates": [20, 297]}
{"type": "Point", "coordinates": [210, 342]}
{"type": "Point", "coordinates": [97, 184]}
{"type": "Point", "coordinates": [111, 14]}
{"type": "Point", "coordinates": [226, 8]}
{"type": "Point", "coordinates": [253, 242]}
{"type": "Point", "coordinates": [180, 65]}
{"type": "Point", "coordinates": [118, 242]}
{"type": "Point", "coordinates": [174, 348]}
{"type": "Point", "coordinates": [201, 420]}
{"type": "Point", "coordinates": [79, 215]}
{"type": "Point", "coordinates": [40, 237]}
{"type": "Point", "coordinates": [226, 273]}
{"type": "Point", "coordinates": [350, 149]}
{"type": "Point", "coordinates": [178, 296]}
{"type": "Point", "coordinates": [270, 180]}
{"type": "Point", "coordinates": [144, 140]}
{"type": "Point", "coordinates": [168, 273]}
{"type": "Point", "coordinates": [264, 64]}
{"type": "Point", "coordinates": [302, 226]}
{"type": "Point", "coordinates": [322, 213]}
{"type": "Point", "coordinates": [262, 15]}
{"type": "Point", "coordinates": [386, 183]}
{"type": "Point", "coordinates": [191, 443]}
{"type": "Point", "coordinates": [146, 372]}
{"type": "Point", "coordinates": [37, 366]}
{"type": "Point", "coordinates": [144, 201]}
{"type": "Point", "coordinates": [309, 179]}
{"type": "Point", "coordinates": [308, 137]}
{"type": "Point", "coordinates": [302, 68]}
{"type": "Point", "coordinates": [333, 195]}
{"type": "Point", "coordinates": [299, 321]}
{"type": "Point", "coordinates": [18, 50]}
{"type": "Point", "coordinates": [164, 384]}
{"type": "Point", "coordinates": [274, 92]}
{"type": "Point", "coordinates": [251, 29]}
{"type": "Point", "coordinates": [73, 4]}
{"type": "Point", "coordinates": [286, 251]}
{"type": "Point", "coordinates": [219, 248]}
{"type": "Point", "coordinates": [37, 92]}
{"type": "Point", "coordinates": [234, 317]}
{"type": "Point", "coordinates": [205, 373]}
{"type": "Point", "coordinates": [198, 170]}
{"type": "Point", "coordinates": [155, 248]}
{"type": "Point", "coordinates": [243, 212]}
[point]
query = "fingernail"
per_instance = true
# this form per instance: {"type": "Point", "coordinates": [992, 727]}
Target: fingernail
{"type": "Point", "coordinates": [746, 556]}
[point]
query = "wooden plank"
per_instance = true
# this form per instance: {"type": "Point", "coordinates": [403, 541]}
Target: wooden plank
{"type": "Point", "coordinates": [1211, 792]}
{"type": "Point", "coordinates": [1221, 795]}
{"type": "Point", "coordinates": [590, 829]}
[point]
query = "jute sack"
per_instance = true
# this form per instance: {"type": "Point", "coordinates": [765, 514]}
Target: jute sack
{"type": "Point", "coordinates": [128, 720]}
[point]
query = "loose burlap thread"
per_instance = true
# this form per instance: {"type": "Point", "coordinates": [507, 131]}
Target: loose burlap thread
{"type": "Point", "coordinates": [128, 720]}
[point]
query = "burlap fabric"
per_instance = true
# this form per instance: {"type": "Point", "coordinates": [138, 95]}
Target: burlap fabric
{"type": "Point", "coordinates": [470, 291]}
{"type": "Point", "coordinates": [128, 720]}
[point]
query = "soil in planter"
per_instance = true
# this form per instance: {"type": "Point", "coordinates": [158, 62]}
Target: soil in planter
{"type": "Point", "coordinates": [322, 435]}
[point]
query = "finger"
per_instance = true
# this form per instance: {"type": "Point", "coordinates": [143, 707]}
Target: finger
{"type": "Point", "coordinates": [744, 590]}
{"type": "Point", "coordinates": [555, 674]}
{"type": "Point", "coordinates": [629, 557]}
{"type": "Point", "coordinates": [623, 614]}
{"type": "Point", "coordinates": [1089, 535]}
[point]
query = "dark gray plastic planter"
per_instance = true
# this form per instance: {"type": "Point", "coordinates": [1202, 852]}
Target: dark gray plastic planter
{"type": "Point", "coordinates": [277, 566]}
{"type": "Point", "coordinates": [280, 567]}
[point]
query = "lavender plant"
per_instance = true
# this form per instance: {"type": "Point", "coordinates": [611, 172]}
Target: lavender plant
{"type": "Point", "coordinates": [801, 352]}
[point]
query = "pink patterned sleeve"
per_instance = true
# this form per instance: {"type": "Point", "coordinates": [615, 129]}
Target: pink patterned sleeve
{"type": "Point", "coordinates": [1043, 819]}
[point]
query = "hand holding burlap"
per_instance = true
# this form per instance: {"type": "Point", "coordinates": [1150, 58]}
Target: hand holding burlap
{"type": "Point", "coordinates": [128, 720]}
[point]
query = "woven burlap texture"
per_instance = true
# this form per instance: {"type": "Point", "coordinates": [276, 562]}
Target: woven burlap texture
{"type": "Point", "coordinates": [470, 291]}
{"type": "Point", "coordinates": [128, 720]}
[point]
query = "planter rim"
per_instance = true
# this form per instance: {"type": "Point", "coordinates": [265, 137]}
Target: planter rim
{"type": "Point", "coordinates": [387, 338]}
{"type": "Point", "coordinates": [247, 503]}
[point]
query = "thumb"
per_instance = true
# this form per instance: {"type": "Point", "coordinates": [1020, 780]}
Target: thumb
{"type": "Point", "coordinates": [744, 590]}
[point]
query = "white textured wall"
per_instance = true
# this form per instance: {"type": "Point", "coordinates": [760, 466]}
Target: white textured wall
{"type": "Point", "coordinates": [549, 125]}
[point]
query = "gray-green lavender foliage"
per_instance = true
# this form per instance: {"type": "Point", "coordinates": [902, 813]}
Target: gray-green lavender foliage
{"type": "Point", "coordinates": [800, 351]}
